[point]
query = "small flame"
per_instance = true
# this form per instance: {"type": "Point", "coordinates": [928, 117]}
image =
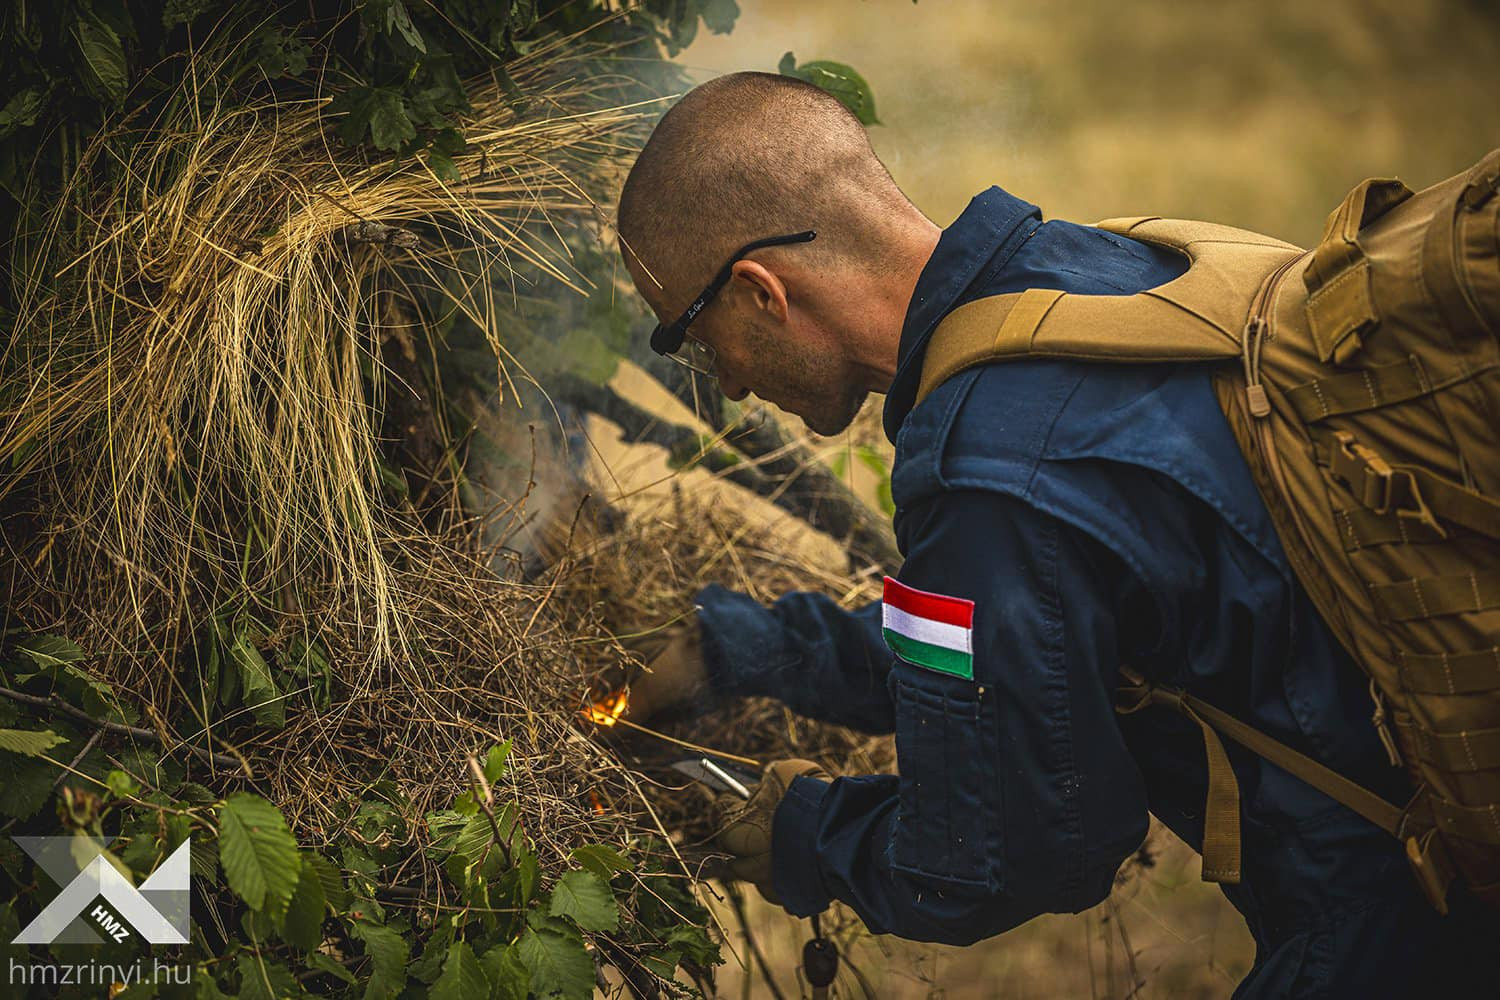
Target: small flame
{"type": "Point", "coordinates": [605, 712]}
{"type": "Point", "coordinates": [594, 799]}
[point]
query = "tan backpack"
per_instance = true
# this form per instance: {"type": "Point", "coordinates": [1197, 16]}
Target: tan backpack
{"type": "Point", "coordinates": [1364, 390]}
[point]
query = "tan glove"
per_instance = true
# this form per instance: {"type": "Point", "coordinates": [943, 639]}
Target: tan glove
{"type": "Point", "coordinates": [744, 826]}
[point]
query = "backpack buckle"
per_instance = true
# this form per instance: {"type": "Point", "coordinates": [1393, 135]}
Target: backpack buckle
{"type": "Point", "coordinates": [1368, 476]}
{"type": "Point", "coordinates": [1376, 485]}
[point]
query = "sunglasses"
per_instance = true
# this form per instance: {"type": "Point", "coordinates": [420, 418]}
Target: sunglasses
{"type": "Point", "coordinates": [673, 341]}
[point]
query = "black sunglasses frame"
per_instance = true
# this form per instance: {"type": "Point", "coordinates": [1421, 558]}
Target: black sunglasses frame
{"type": "Point", "coordinates": [667, 339]}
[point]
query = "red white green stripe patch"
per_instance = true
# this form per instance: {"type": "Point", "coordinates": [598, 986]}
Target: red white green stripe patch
{"type": "Point", "coordinates": [930, 630]}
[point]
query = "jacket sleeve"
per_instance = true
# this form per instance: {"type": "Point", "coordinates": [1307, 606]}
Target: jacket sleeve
{"type": "Point", "coordinates": [822, 661]}
{"type": "Point", "coordinates": [1016, 794]}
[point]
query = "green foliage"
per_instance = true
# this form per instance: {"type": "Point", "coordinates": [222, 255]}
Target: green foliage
{"type": "Point", "coordinates": [463, 977]}
{"type": "Point", "coordinates": [27, 742]}
{"type": "Point", "coordinates": [307, 925]}
{"type": "Point", "coordinates": [584, 898]}
{"type": "Point", "coordinates": [840, 80]}
{"type": "Point", "coordinates": [876, 463]}
{"type": "Point", "coordinates": [393, 69]}
{"type": "Point", "coordinates": [258, 852]}
{"type": "Point", "coordinates": [553, 952]}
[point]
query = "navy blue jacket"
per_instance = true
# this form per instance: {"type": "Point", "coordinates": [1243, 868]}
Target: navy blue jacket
{"type": "Point", "coordinates": [1097, 515]}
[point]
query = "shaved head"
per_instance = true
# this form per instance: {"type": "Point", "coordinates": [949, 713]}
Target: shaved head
{"type": "Point", "coordinates": [745, 156]}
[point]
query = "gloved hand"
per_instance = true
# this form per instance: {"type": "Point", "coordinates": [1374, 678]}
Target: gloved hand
{"type": "Point", "coordinates": [744, 825]}
{"type": "Point", "coordinates": [673, 674]}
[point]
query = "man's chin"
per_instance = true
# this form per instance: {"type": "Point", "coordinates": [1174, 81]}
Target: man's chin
{"type": "Point", "coordinates": [830, 424]}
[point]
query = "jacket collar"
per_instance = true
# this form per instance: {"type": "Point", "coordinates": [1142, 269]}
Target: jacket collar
{"type": "Point", "coordinates": [992, 225]}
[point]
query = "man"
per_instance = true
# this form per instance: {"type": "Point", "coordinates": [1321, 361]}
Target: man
{"type": "Point", "coordinates": [1058, 520]}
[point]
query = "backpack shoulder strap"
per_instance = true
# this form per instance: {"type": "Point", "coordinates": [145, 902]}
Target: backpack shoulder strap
{"type": "Point", "coordinates": [1198, 316]}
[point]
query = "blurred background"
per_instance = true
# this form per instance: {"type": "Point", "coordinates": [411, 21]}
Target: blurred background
{"type": "Point", "coordinates": [1260, 115]}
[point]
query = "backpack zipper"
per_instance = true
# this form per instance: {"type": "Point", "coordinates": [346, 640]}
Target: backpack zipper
{"type": "Point", "coordinates": [1257, 331]}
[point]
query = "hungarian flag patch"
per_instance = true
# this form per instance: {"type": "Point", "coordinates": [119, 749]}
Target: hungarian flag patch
{"type": "Point", "coordinates": [930, 630]}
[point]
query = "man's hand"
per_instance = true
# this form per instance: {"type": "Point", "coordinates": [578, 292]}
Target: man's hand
{"type": "Point", "coordinates": [744, 826]}
{"type": "Point", "coordinates": [674, 673]}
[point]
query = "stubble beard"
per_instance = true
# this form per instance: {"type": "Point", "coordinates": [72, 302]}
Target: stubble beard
{"type": "Point", "coordinates": [836, 419]}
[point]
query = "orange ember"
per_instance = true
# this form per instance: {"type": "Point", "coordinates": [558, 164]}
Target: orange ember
{"type": "Point", "coordinates": [607, 711]}
{"type": "Point", "coordinates": [594, 800]}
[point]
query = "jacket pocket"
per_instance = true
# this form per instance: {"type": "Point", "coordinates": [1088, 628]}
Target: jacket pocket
{"type": "Point", "coordinates": [948, 827]}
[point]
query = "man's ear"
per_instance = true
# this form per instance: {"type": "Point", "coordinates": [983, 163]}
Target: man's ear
{"type": "Point", "coordinates": [767, 291]}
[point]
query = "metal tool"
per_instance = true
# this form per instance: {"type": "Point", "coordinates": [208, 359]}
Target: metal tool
{"type": "Point", "coordinates": [719, 777]}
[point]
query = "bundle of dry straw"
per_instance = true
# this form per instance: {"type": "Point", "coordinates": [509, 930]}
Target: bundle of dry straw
{"type": "Point", "coordinates": [191, 407]}
{"type": "Point", "coordinates": [195, 377]}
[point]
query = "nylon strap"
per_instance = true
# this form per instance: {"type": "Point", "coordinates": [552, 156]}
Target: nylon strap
{"type": "Point", "coordinates": [1432, 596]}
{"type": "Point", "coordinates": [1361, 529]}
{"type": "Point", "coordinates": [1409, 490]}
{"type": "Point", "coordinates": [1450, 673]}
{"type": "Point", "coordinates": [1221, 835]}
{"type": "Point", "coordinates": [1221, 813]}
{"type": "Point", "coordinates": [1481, 823]}
{"type": "Point", "coordinates": [1369, 388]}
{"type": "Point", "coordinates": [1198, 316]}
{"type": "Point", "coordinates": [1452, 502]}
{"type": "Point", "coordinates": [1461, 752]}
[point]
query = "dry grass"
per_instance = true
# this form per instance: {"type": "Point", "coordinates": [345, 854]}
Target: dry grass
{"type": "Point", "coordinates": [194, 381]}
{"type": "Point", "coordinates": [642, 578]}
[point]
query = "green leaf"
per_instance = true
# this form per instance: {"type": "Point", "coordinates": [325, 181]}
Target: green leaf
{"type": "Point", "coordinates": [494, 762]}
{"type": "Point", "coordinates": [585, 898]}
{"type": "Point", "coordinates": [103, 55]}
{"type": "Point", "coordinates": [21, 110]}
{"type": "Point", "coordinates": [559, 964]}
{"type": "Point", "coordinates": [509, 978]}
{"type": "Point", "coordinates": [398, 22]}
{"type": "Point", "coordinates": [694, 943]}
{"type": "Point", "coordinates": [119, 783]}
{"type": "Point", "coordinates": [309, 664]}
{"type": "Point", "coordinates": [263, 980]}
{"type": "Point", "coordinates": [389, 125]}
{"type": "Point", "coordinates": [475, 839]}
{"type": "Point", "coordinates": [334, 893]}
{"type": "Point", "coordinates": [258, 853]}
{"type": "Point", "coordinates": [529, 871]}
{"type": "Point", "coordinates": [28, 785]}
{"type": "Point", "coordinates": [323, 963]}
{"type": "Point", "coordinates": [205, 987]}
{"type": "Point", "coordinates": [600, 859]}
{"type": "Point", "coordinates": [29, 743]}
{"type": "Point", "coordinates": [303, 924]}
{"type": "Point", "coordinates": [261, 694]}
{"type": "Point", "coordinates": [884, 498]}
{"type": "Point", "coordinates": [449, 141]}
{"type": "Point", "coordinates": [388, 952]}
{"type": "Point", "coordinates": [175, 12]}
{"type": "Point", "coordinates": [463, 978]}
{"type": "Point", "coordinates": [443, 167]}
{"type": "Point", "coordinates": [50, 651]}
{"type": "Point", "coordinates": [719, 15]}
{"type": "Point", "coordinates": [434, 952]}
{"type": "Point", "coordinates": [839, 79]}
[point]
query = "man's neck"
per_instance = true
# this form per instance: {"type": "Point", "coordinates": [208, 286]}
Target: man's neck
{"type": "Point", "coordinates": [881, 301]}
